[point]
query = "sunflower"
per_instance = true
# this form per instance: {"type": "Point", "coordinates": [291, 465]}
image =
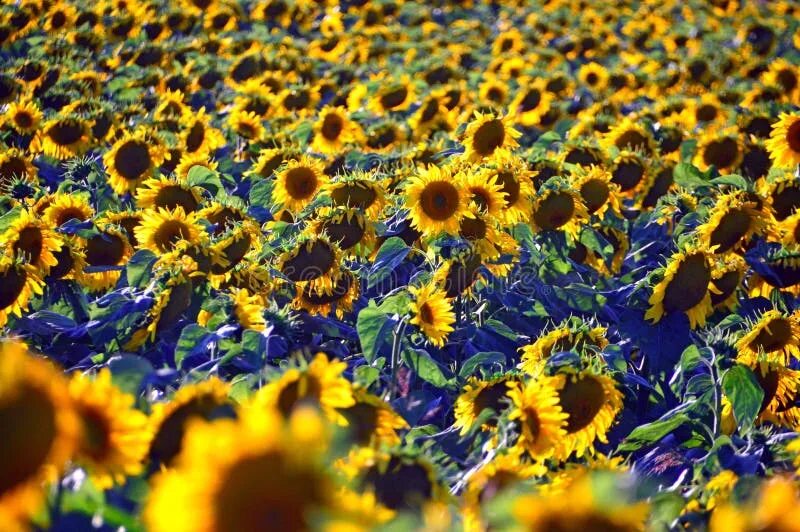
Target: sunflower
{"type": "Point", "coordinates": [34, 402]}
{"type": "Point", "coordinates": [161, 229]}
{"type": "Point", "coordinates": [247, 124]}
{"type": "Point", "coordinates": [721, 148]}
{"type": "Point", "coordinates": [248, 309]}
{"type": "Point", "coordinates": [32, 240]}
{"type": "Point", "coordinates": [314, 263]}
{"type": "Point", "coordinates": [593, 76]}
{"type": "Point", "coordinates": [531, 102]}
{"type": "Point", "coordinates": [486, 193]}
{"type": "Point", "coordinates": [684, 287]}
{"type": "Point", "coordinates": [65, 207]}
{"type": "Point", "coordinates": [114, 436]}
{"type": "Point", "coordinates": [433, 313]}
{"type": "Point", "coordinates": [774, 507]}
{"type": "Point", "coordinates": [169, 421]}
{"type": "Point", "coordinates": [333, 130]}
{"type": "Point", "coordinates": [784, 74]}
{"type": "Point", "coordinates": [107, 248]}
{"type": "Point", "coordinates": [591, 402]}
{"type": "Point", "coordinates": [493, 92]}
{"type": "Point", "coordinates": [16, 164]}
{"type": "Point", "coordinates": [486, 134]}
{"type": "Point", "coordinates": [775, 335]}
{"type": "Point", "coordinates": [598, 192]}
{"type": "Point", "coordinates": [393, 96]}
{"type": "Point", "coordinates": [727, 277]}
{"type": "Point", "coordinates": [432, 116]}
{"type": "Point", "coordinates": [188, 161]}
{"type": "Point", "coordinates": [629, 134]}
{"type": "Point", "coordinates": [436, 200]}
{"type": "Point", "coordinates": [731, 222]}
{"type": "Point", "coordinates": [558, 209]}
{"type": "Point", "coordinates": [71, 261]}
{"type": "Point", "coordinates": [197, 136]}
{"type": "Point", "coordinates": [629, 170]}
{"type": "Point", "coordinates": [245, 474]}
{"type": "Point", "coordinates": [581, 508]}
{"type": "Point", "coordinates": [371, 421]}
{"type": "Point", "coordinates": [170, 303]}
{"type": "Point", "coordinates": [477, 396]}
{"type": "Point", "coordinates": [360, 190]}
{"type": "Point", "coordinates": [133, 159]}
{"type": "Point", "coordinates": [298, 182]}
{"type": "Point", "coordinates": [565, 338]}
{"type": "Point", "coordinates": [319, 384]}
{"type": "Point", "coordinates": [782, 196]}
{"type": "Point", "coordinates": [62, 137]}
{"type": "Point", "coordinates": [23, 116]}
{"type": "Point", "coordinates": [784, 141]}
{"type": "Point", "coordinates": [165, 193]}
{"type": "Point", "coordinates": [347, 228]}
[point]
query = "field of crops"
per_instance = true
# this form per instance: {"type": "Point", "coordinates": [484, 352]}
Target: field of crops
{"type": "Point", "coordinates": [351, 265]}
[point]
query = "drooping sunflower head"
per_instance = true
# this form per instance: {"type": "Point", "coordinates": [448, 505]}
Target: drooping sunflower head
{"type": "Point", "coordinates": [313, 262]}
{"type": "Point", "coordinates": [298, 182]}
{"type": "Point", "coordinates": [538, 417]}
{"type": "Point", "coordinates": [63, 137]}
{"type": "Point", "coordinates": [348, 228]}
{"type": "Point", "coordinates": [784, 141]}
{"type": "Point", "coordinates": [432, 313]}
{"type": "Point", "coordinates": [630, 134]}
{"type": "Point", "coordinates": [684, 287]}
{"type": "Point", "coordinates": [132, 159]}
{"type": "Point", "coordinates": [109, 246]}
{"type": "Point", "coordinates": [775, 336]}
{"type": "Point", "coordinates": [486, 134]}
{"type": "Point", "coordinates": [731, 222]}
{"type": "Point", "coordinates": [435, 200]}
{"type": "Point", "coordinates": [341, 296]}
{"type": "Point", "coordinates": [162, 230]}
{"type": "Point", "coordinates": [359, 190]}
{"type": "Point", "coordinates": [721, 148]}
{"type": "Point", "coordinates": [571, 336]}
{"type": "Point", "coordinates": [372, 421]}
{"type": "Point", "coordinates": [783, 196]}
{"type": "Point", "coordinates": [15, 164]}
{"type": "Point", "coordinates": [34, 402]}
{"type": "Point", "coordinates": [727, 277]}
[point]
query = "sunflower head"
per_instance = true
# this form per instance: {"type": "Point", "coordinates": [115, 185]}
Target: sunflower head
{"type": "Point", "coordinates": [486, 134]}
{"type": "Point", "coordinates": [162, 230]}
{"type": "Point", "coordinates": [298, 182]}
{"type": "Point", "coordinates": [432, 313]}
{"type": "Point", "coordinates": [436, 201]}
{"type": "Point", "coordinates": [784, 141]}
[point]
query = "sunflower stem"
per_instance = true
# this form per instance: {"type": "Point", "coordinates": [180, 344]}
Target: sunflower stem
{"type": "Point", "coordinates": [394, 361]}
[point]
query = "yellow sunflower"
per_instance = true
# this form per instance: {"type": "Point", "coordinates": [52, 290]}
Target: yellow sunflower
{"type": "Point", "coordinates": [685, 287]}
{"type": "Point", "coordinates": [775, 506]}
{"type": "Point", "coordinates": [515, 180]}
{"type": "Point", "coordinates": [64, 207]}
{"type": "Point", "coordinates": [629, 134]}
{"type": "Point", "coordinates": [560, 339]}
{"type": "Point", "coordinates": [559, 209]}
{"type": "Point", "coordinates": [314, 263]}
{"type": "Point", "coordinates": [161, 229]}
{"type": "Point", "coordinates": [132, 159]}
{"type": "Point", "coordinates": [721, 148]}
{"type": "Point", "coordinates": [298, 182]}
{"type": "Point", "coordinates": [318, 384]}
{"type": "Point", "coordinates": [731, 222]}
{"type": "Point", "coordinates": [727, 277]}
{"type": "Point", "coordinates": [477, 396]}
{"type": "Point", "coordinates": [591, 402]}
{"type": "Point", "coordinates": [486, 134]}
{"type": "Point", "coordinates": [371, 421]}
{"type": "Point", "coordinates": [246, 124]}
{"type": "Point", "coordinates": [436, 201]}
{"type": "Point", "coordinates": [16, 164]}
{"type": "Point", "coordinates": [23, 116]}
{"type": "Point", "coordinates": [486, 192]}
{"type": "Point", "coordinates": [114, 436]}
{"type": "Point", "coordinates": [784, 141]}
{"type": "Point", "coordinates": [599, 194]}
{"type": "Point", "coordinates": [774, 335]}
{"type": "Point", "coordinates": [188, 161]}
{"type": "Point", "coordinates": [341, 297]}
{"type": "Point", "coordinates": [248, 309]}
{"type": "Point", "coordinates": [359, 190]}
{"type": "Point", "coordinates": [62, 137]}
{"type": "Point", "coordinates": [32, 240]}
{"type": "Point", "coordinates": [538, 416]}
{"type": "Point", "coordinates": [531, 102]}
{"type": "Point", "coordinates": [594, 76]}
{"type": "Point", "coordinates": [109, 247]}
{"type": "Point", "coordinates": [197, 135]}
{"type": "Point", "coordinates": [432, 313]}
{"type": "Point", "coordinates": [166, 193]}
{"type": "Point", "coordinates": [42, 429]}
{"type": "Point", "coordinates": [333, 130]}
{"type": "Point", "coordinates": [393, 96]}
{"type": "Point", "coordinates": [171, 302]}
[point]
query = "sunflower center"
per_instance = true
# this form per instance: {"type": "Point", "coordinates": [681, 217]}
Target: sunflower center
{"type": "Point", "coordinates": [488, 137]}
{"type": "Point", "coordinates": [768, 383]}
{"type": "Point", "coordinates": [172, 196]}
{"type": "Point", "coordinates": [461, 275]}
{"type": "Point", "coordinates": [265, 492]}
{"type": "Point", "coordinates": [58, 19]}
{"type": "Point", "coordinates": [301, 183]}
{"type": "Point", "coordinates": [12, 283]}
{"type": "Point", "coordinates": [234, 253]}
{"type": "Point", "coordinates": [490, 397]}
{"type": "Point", "coordinates": [592, 78]}
{"type": "Point", "coordinates": [394, 98]}
{"type": "Point", "coordinates": [495, 94]}
{"type": "Point", "coordinates": [627, 175]}
{"type": "Point", "coordinates": [426, 314]}
{"type": "Point", "coordinates": [439, 200]}
{"type": "Point", "coordinates": [689, 285]}
{"type": "Point", "coordinates": [332, 126]}
{"type": "Point", "coordinates": [169, 233]}
{"type": "Point", "coordinates": [760, 126]}
{"type": "Point", "coordinates": [24, 450]}
{"type": "Point", "coordinates": [297, 100]}
{"type": "Point", "coordinates": [195, 138]}
{"type": "Point", "coordinates": [472, 229]}
{"type": "Point", "coordinates": [530, 101]}
{"type": "Point", "coordinates": [64, 263]}
{"type": "Point", "coordinates": [270, 165]}
{"type": "Point", "coordinates": [105, 249]}
{"type": "Point", "coordinates": [773, 337]}
{"type": "Point", "coordinates": [132, 160]}
{"type": "Point", "coordinates": [793, 136]}
{"type": "Point", "coordinates": [305, 390]}
{"type": "Point", "coordinates": [732, 227]}
{"type": "Point", "coordinates": [632, 140]}
{"type": "Point", "coordinates": [786, 201]}
{"type": "Point", "coordinates": [180, 298]}
{"type": "Point", "coordinates": [430, 110]}
{"type": "Point", "coordinates": [360, 197]}
{"type": "Point", "coordinates": [362, 421]}
{"type": "Point", "coordinates": [722, 153]}
{"type": "Point", "coordinates": [706, 113]}
{"type": "Point", "coordinates": [402, 486]}
{"type": "Point", "coordinates": [68, 214]}
{"type": "Point", "coordinates": [554, 211]}
{"type": "Point", "coordinates": [481, 199]}
{"type": "Point", "coordinates": [324, 297]}
{"type": "Point", "coordinates": [756, 162]}
{"type": "Point", "coordinates": [23, 119]}
{"type": "Point", "coordinates": [595, 194]}
{"type": "Point", "coordinates": [29, 244]}
{"type": "Point", "coordinates": [581, 400]}
{"type": "Point", "coordinates": [345, 233]}
{"type": "Point", "coordinates": [309, 264]}
{"type": "Point", "coordinates": [382, 138]}
{"type": "Point", "coordinates": [65, 132]}
{"type": "Point", "coordinates": [13, 167]}
{"type": "Point", "coordinates": [96, 441]}
{"type": "Point", "coordinates": [246, 129]}
{"type": "Point", "coordinates": [726, 284]}
{"type": "Point", "coordinates": [511, 187]}
{"type": "Point", "coordinates": [787, 79]}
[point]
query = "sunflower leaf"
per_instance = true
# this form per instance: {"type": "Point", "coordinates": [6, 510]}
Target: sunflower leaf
{"type": "Point", "coordinates": [200, 176]}
{"type": "Point", "coordinates": [389, 257]}
{"type": "Point", "coordinates": [426, 368]}
{"type": "Point", "coordinates": [373, 326]}
{"type": "Point", "coordinates": [741, 387]}
{"type": "Point", "coordinates": [652, 432]}
{"type": "Point", "coordinates": [485, 358]}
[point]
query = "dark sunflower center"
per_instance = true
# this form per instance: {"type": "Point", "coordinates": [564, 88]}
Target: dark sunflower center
{"type": "Point", "coordinates": [394, 98]}
{"type": "Point", "coordinates": [495, 94]}
{"type": "Point", "coordinates": [689, 285]}
{"type": "Point", "coordinates": [64, 263]}
{"type": "Point", "coordinates": [68, 214]}
{"type": "Point", "coordinates": [793, 136]}
{"type": "Point", "coordinates": [246, 129]}
{"type": "Point", "coordinates": [332, 126]}
{"type": "Point", "coordinates": [554, 211]}
{"type": "Point", "coordinates": [96, 442]}
{"type": "Point", "coordinates": [362, 421]}
{"type": "Point", "coordinates": [234, 253]}
{"type": "Point", "coordinates": [439, 200]}
{"type": "Point", "coordinates": [531, 100]}
{"type": "Point", "coordinates": [722, 153]}
{"type": "Point", "coordinates": [180, 298]}
{"type": "Point", "coordinates": [12, 282]}
{"type": "Point", "coordinates": [787, 79]}
{"type": "Point", "coordinates": [58, 20]}
{"type": "Point", "coordinates": [65, 132]}
{"type": "Point", "coordinates": [305, 390]}
{"type": "Point", "coordinates": [195, 138]}
{"type": "Point", "coordinates": [23, 119]}
{"type": "Point", "coordinates": [706, 113]}
{"type": "Point", "coordinates": [632, 140]}
{"type": "Point", "coordinates": [756, 162]}
{"type": "Point", "coordinates": [297, 100]}
{"type": "Point", "coordinates": [172, 196]}
{"type": "Point", "coordinates": [309, 264]}
{"type": "Point", "coordinates": [402, 486]}
{"type": "Point", "coordinates": [426, 314]}
{"type": "Point", "coordinates": [531, 425]}
{"type": "Point", "coordinates": [301, 183]}
{"type": "Point", "coordinates": [769, 383]}
{"type": "Point", "coordinates": [472, 229]}
{"type": "Point", "coordinates": [132, 160]}
{"type": "Point", "coordinates": [340, 290]}
{"type": "Point", "coordinates": [105, 249]}
{"type": "Point", "coordinates": [786, 201]}
{"type": "Point", "coordinates": [13, 167]}
{"type": "Point", "coordinates": [481, 199]}
{"type": "Point", "coordinates": [29, 244]}
{"type": "Point", "coordinates": [759, 126]}
{"type": "Point", "coordinates": [353, 195]}
{"type": "Point", "coordinates": [581, 400]}
{"type": "Point", "coordinates": [595, 194]}
{"type": "Point", "coordinates": [726, 284]}
{"type": "Point", "coordinates": [345, 233]}
{"type": "Point", "coordinates": [429, 112]}
{"type": "Point", "coordinates": [490, 397]}
{"type": "Point", "coordinates": [732, 227]}
{"type": "Point", "coordinates": [592, 78]}
{"type": "Point", "coordinates": [24, 450]}
{"type": "Point", "coordinates": [270, 165]}
{"type": "Point", "coordinates": [774, 337]}
{"type": "Point", "coordinates": [461, 275]}
{"type": "Point", "coordinates": [488, 137]}
{"type": "Point", "coordinates": [169, 233]}
{"type": "Point", "coordinates": [583, 157]}
{"type": "Point", "coordinates": [382, 138]}
{"type": "Point", "coordinates": [510, 186]}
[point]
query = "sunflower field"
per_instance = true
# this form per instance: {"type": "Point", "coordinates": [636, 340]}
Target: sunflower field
{"type": "Point", "coordinates": [353, 265]}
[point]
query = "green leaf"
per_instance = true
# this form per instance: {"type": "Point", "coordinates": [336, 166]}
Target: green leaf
{"type": "Point", "coordinates": [261, 193]}
{"type": "Point", "coordinates": [190, 337]}
{"type": "Point", "coordinates": [138, 269]}
{"type": "Point", "coordinates": [128, 372]}
{"type": "Point", "coordinates": [428, 370]}
{"type": "Point", "coordinates": [484, 358]}
{"type": "Point", "coordinates": [689, 176]}
{"type": "Point", "coordinates": [690, 358]}
{"type": "Point", "coordinates": [390, 255]}
{"type": "Point", "coordinates": [652, 432]}
{"type": "Point", "coordinates": [200, 176]}
{"type": "Point", "coordinates": [366, 375]}
{"type": "Point", "coordinates": [8, 218]}
{"type": "Point", "coordinates": [395, 303]}
{"type": "Point", "coordinates": [742, 389]}
{"type": "Point", "coordinates": [732, 180]}
{"type": "Point", "coordinates": [373, 326]}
